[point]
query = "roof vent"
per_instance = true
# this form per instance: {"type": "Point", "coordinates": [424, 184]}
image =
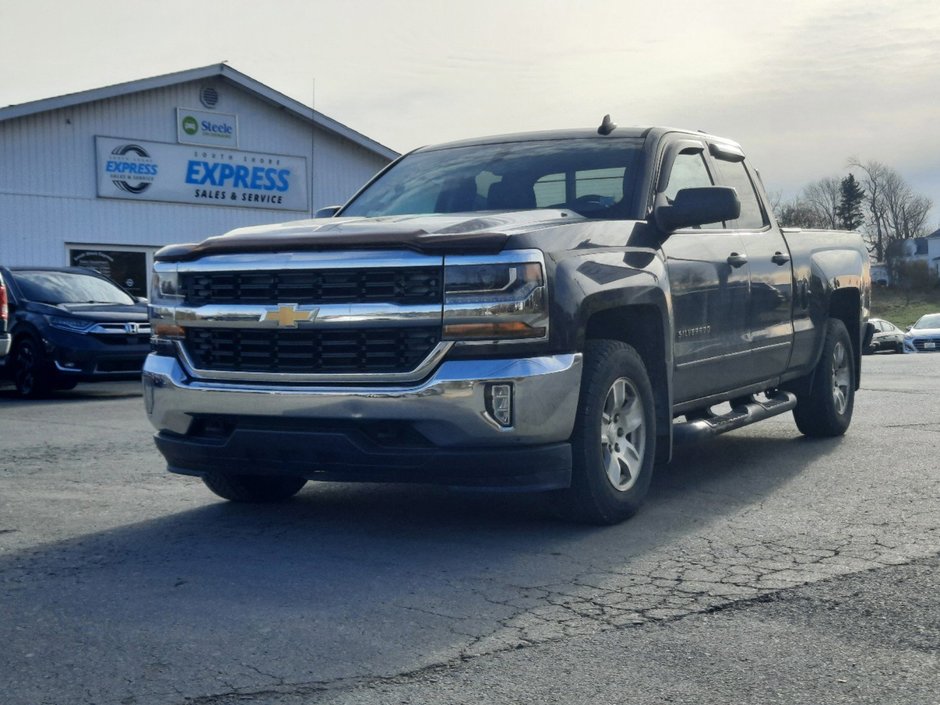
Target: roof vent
{"type": "Point", "coordinates": [209, 96]}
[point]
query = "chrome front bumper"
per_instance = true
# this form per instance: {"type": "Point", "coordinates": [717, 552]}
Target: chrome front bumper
{"type": "Point", "coordinates": [448, 409]}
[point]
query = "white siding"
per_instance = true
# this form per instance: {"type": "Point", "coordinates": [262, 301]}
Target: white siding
{"type": "Point", "coordinates": [48, 172]}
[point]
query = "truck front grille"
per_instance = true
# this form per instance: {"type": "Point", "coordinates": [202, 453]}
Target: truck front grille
{"type": "Point", "coordinates": [405, 285]}
{"type": "Point", "coordinates": [311, 351]}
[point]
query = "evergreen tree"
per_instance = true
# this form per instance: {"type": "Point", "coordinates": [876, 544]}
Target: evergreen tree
{"type": "Point", "coordinates": [849, 209]}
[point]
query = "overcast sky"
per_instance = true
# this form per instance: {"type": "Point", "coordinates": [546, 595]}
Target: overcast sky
{"type": "Point", "coordinates": [803, 85]}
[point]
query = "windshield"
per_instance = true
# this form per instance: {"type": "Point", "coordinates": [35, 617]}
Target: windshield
{"type": "Point", "coordinates": [69, 288]}
{"type": "Point", "coordinates": [931, 320]}
{"type": "Point", "coordinates": [592, 177]}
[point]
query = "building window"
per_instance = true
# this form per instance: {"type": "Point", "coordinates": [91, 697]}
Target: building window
{"type": "Point", "coordinates": [128, 268]}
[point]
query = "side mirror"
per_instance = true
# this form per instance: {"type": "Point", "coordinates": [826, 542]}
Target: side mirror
{"type": "Point", "coordinates": [327, 212]}
{"type": "Point", "coordinates": [697, 206]}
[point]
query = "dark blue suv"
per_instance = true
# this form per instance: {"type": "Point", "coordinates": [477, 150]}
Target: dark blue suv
{"type": "Point", "coordinates": [70, 325]}
{"type": "Point", "coordinates": [4, 322]}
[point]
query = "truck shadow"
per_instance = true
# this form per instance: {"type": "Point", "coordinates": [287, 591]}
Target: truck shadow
{"type": "Point", "coordinates": [398, 575]}
{"type": "Point", "coordinates": [701, 483]}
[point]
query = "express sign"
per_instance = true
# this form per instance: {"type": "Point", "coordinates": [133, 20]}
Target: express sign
{"type": "Point", "coordinates": [156, 171]}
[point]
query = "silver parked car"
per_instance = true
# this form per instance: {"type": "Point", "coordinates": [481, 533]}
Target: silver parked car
{"type": "Point", "coordinates": [923, 336]}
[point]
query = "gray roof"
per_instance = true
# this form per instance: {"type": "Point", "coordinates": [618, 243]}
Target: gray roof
{"type": "Point", "coordinates": [581, 133]}
{"type": "Point", "coordinates": [224, 71]}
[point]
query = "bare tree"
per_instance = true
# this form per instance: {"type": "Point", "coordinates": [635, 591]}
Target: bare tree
{"type": "Point", "coordinates": [906, 212]}
{"type": "Point", "coordinates": [799, 213]}
{"type": "Point", "coordinates": [894, 211]}
{"type": "Point", "coordinates": [775, 200]}
{"type": "Point", "coordinates": [816, 207]}
{"type": "Point", "coordinates": [824, 197]}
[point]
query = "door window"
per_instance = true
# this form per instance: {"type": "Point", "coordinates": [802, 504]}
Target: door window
{"type": "Point", "coordinates": [688, 171]}
{"type": "Point", "coordinates": [735, 174]}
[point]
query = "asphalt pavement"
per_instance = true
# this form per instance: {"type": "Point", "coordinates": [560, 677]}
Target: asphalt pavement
{"type": "Point", "coordinates": [765, 567]}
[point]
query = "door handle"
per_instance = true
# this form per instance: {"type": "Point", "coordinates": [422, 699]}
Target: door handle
{"type": "Point", "coordinates": [780, 258]}
{"type": "Point", "coordinates": [736, 260]}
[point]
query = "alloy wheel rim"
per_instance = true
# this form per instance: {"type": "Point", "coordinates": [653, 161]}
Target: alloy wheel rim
{"type": "Point", "coordinates": [26, 362]}
{"type": "Point", "coordinates": [841, 378]}
{"type": "Point", "coordinates": [623, 434]}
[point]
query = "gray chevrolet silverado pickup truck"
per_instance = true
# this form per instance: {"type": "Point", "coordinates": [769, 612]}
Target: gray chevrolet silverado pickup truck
{"type": "Point", "coordinates": [545, 312]}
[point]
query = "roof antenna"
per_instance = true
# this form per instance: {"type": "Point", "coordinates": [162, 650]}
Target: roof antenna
{"type": "Point", "coordinates": [606, 126]}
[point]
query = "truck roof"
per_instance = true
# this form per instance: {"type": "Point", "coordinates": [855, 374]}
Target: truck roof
{"type": "Point", "coordinates": [582, 133]}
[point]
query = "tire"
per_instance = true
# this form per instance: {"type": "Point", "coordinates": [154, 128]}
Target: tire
{"type": "Point", "coordinates": [253, 488]}
{"type": "Point", "coordinates": [614, 439]}
{"type": "Point", "coordinates": [31, 373]}
{"type": "Point", "coordinates": [899, 348]}
{"type": "Point", "coordinates": [826, 409]}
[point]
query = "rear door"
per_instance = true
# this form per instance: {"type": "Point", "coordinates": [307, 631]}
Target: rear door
{"type": "Point", "coordinates": [769, 311]}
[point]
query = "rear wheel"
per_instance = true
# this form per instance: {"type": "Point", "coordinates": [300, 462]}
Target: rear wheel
{"type": "Point", "coordinates": [253, 488]}
{"type": "Point", "coordinates": [30, 370]}
{"type": "Point", "coordinates": [614, 440]}
{"type": "Point", "coordinates": [826, 409]}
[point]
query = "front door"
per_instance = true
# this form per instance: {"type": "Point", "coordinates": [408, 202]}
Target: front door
{"type": "Point", "coordinates": [708, 279]}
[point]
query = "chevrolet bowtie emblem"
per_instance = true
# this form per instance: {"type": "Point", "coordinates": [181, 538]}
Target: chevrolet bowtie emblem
{"type": "Point", "coordinates": [288, 316]}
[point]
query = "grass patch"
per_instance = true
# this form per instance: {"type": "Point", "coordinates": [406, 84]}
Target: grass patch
{"type": "Point", "coordinates": [903, 308]}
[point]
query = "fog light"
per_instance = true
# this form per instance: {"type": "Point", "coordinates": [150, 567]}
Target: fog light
{"type": "Point", "coordinates": [499, 403]}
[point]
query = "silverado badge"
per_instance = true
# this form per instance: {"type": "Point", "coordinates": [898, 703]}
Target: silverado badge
{"type": "Point", "coordinates": [287, 315]}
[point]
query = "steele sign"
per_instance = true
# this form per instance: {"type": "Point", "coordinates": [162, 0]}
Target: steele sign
{"type": "Point", "coordinates": [201, 127]}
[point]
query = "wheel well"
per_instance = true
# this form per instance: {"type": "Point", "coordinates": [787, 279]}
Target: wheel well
{"type": "Point", "coordinates": [641, 327]}
{"type": "Point", "coordinates": [845, 305]}
{"type": "Point", "coordinates": [23, 334]}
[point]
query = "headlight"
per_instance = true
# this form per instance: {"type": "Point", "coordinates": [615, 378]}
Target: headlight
{"type": "Point", "coordinates": [164, 285]}
{"type": "Point", "coordinates": [164, 297]}
{"type": "Point", "coordinates": [498, 298]}
{"type": "Point", "coordinates": [73, 325]}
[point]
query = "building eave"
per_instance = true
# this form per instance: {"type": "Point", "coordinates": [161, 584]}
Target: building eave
{"type": "Point", "coordinates": [223, 71]}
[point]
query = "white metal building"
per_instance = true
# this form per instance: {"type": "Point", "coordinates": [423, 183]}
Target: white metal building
{"type": "Point", "coordinates": [105, 177]}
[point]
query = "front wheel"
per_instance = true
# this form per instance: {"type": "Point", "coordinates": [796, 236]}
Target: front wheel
{"type": "Point", "coordinates": [826, 409]}
{"type": "Point", "coordinates": [30, 370]}
{"type": "Point", "coordinates": [614, 439]}
{"type": "Point", "coordinates": [253, 488]}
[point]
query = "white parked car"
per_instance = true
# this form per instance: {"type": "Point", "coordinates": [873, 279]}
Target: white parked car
{"type": "Point", "coordinates": [923, 336]}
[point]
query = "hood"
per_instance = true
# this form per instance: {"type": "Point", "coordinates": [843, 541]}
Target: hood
{"type": "Point", "coordinates": [433, 234]}
{"type": "Point", "coordinates": [102, 313]}
{"type": "Point", "coordinates": [914, 332]}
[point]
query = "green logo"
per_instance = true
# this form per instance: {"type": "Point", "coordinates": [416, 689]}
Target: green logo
{"type": "Point", "coordinates": [190, 125]}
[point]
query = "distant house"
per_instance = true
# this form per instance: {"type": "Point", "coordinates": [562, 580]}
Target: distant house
{"type": "Point", "coordinates": [880, 274]}
{"type": "Point", "coordinates": [918, 249]}
{"type": "Point", "coordinates": [933, 250]}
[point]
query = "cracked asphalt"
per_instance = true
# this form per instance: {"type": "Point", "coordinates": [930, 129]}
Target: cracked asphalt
{"type": "Point", "coordinates": [765, 567]}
